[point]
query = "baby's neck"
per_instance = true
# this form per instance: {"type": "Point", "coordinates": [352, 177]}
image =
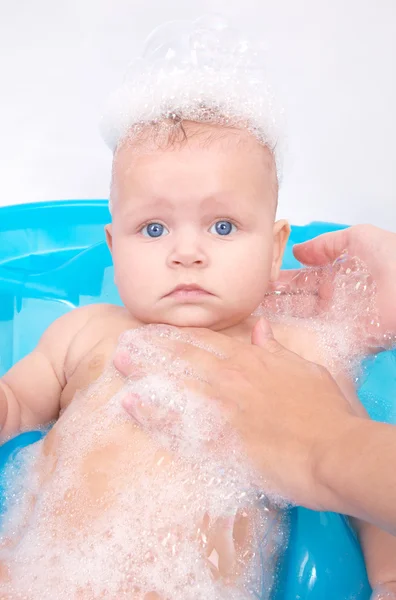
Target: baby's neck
{"type": "Point", "coordinates": [241, 331]}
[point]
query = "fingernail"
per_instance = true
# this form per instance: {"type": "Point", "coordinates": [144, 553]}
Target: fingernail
{"type": "Point", "coordinates": [263, 325]}
{"type": "Point", "coordinates": [128, 400]}
{"type": "Point", "coordinates": [266, 328]}
{"type": "Point", "coordinates": [122, 358]}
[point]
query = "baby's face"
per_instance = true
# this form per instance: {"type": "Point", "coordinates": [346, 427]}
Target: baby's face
{"type": "Point", "coordinates": [193, 236]}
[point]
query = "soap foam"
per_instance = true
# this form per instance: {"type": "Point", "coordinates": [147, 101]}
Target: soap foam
{"type": "Point", "coordinates": [203, 71]}
{"type": "Point", "coordinates": [338, 302]}
{"type": "Point", "coordinates": [181, 516]}
{"type": "Point", "coordinates": [184, 516]}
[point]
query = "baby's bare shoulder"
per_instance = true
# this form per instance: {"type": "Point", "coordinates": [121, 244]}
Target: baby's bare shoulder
{"type": "Point", "coordinates": [78, 329]}
{"type": "Point", "coordinates": [101, 320]}
{"type": "Point", "coordinates": [96, 327]}
{"type": "Point", "coordinates": [72, 323]}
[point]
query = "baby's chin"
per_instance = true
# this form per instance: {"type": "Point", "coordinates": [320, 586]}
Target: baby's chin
{"type": "Point", "coordinates": [191, 315]}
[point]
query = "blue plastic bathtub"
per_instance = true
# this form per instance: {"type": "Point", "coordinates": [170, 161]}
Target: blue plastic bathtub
{"type": "Point", "coordinates": [53, 258]}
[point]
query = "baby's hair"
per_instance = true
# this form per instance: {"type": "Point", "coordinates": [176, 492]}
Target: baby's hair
{"type": "Point", "coordinates": [173, 132]}
{"type": "Point", "coordinates": [204, 72]}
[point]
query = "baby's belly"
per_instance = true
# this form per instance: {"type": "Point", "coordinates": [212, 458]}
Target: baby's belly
{"type": "Point", "coordinates": [99, 477]}
{"type": "Point", "coordinates": [92, 460]}
{"type": "Point", "coordinates": [111, 514]}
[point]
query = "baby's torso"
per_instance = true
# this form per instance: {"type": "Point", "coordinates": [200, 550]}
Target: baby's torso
{"type": "Point", "coordinates": [93, 347]}
{"type": "Point", "coordinates": [120, 450]}
{"type": "Point", "coordinates": [99, 479]}
{"type": "Point", "coordinates": [117, 443]}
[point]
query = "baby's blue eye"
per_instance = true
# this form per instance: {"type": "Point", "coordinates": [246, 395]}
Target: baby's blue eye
{"type": "Point", "coordinates": [154, 230]}
{"type": "Point", "coordinates": [223, 228]}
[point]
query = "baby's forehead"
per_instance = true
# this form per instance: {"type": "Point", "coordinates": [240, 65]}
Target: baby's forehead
{"type": "Point", "coordinates": [193, 160]}
{"type": "Point", "coordinates": [174, 139]}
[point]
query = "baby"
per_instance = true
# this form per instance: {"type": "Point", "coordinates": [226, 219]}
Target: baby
{"type": "Point", "coordinates": [194, 243]}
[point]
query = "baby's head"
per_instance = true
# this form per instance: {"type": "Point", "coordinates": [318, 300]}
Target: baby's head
{"type": "Point", "coordinates": [197, 148]}
{"type": "Point", "coordinates": [193, 235]}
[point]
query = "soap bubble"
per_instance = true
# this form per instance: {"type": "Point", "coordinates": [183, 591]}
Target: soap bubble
{"type": "Point", "coordinates": [337, 301]}
{"type": "Point", "coordinates": [122, 511]}
{"type": "Point", "coordinates": [204, 71]}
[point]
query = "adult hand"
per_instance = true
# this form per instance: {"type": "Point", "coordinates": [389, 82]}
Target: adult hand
{"type": "Point", "coordinates": [287, 411]}
{"type": "Point", "coordinates": [375, 247]}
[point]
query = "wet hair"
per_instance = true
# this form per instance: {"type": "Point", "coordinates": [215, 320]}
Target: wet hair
{"type": "Point", "coordinates": [174, 133]}
{"type": "Point", "coordinates": [203, 72]}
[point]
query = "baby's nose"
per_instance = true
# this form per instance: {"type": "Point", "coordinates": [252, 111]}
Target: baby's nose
{"type": "Point", "coordinates": [188, 252]}
{"type": "Point", "coordinates": [188, 260]}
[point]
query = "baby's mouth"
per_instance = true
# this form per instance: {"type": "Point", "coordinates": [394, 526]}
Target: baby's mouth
{"type": "Point", "coordinates": [188, 291]}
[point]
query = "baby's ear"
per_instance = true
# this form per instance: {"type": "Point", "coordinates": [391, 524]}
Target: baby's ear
{"type": "Point", "coordinates": [109, 241]}
{"type": "Point", "coordinates": [281, 234]}
{"type": "Point", "coordinates": [109, 236]}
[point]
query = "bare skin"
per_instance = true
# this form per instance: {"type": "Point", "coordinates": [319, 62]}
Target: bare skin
{"type": "Point", "coordinates": [372, 245]}
{"type": "Point", "coordinates": [368, 488]}
{"type": "Point", "coordinates": [123, 455]}
{"type": "Point", "coordinates": [91, 336]}
{"type": "Point", "coordinates": [194, 243]}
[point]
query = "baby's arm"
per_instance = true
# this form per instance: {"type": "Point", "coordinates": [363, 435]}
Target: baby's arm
{"type": "Point", "coordinates": [30, 391]}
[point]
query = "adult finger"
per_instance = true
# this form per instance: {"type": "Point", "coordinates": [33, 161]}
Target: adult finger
{"type": "Point", "coordinates": [298, 296]}
{"type": "Point", "coordinates": [139, 410]}
{"type": "Point", "coordinates": [263, 336]}
{"type": "Point", "coordinates": [285, 279]}
{"type": "Point", "coordinates": [323, 249]}
{"type": "Point", "coordinates": [297, 281]}
{"type": "Point", "coordinates": [173, 348]}
{"type": "Point", "coordinates": [274, 353]}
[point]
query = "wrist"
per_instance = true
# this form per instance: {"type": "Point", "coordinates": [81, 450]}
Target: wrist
{"type": "Point", "coordinates": [334, 462]}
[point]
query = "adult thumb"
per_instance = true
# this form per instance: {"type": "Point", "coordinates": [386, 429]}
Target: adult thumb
{"type": "Point", "coordinates": [263, 336]}
{"type": "Point", "coordinates": [323, 249]}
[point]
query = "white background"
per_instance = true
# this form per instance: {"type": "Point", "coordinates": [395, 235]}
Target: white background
{"type": "Point", "coordinates": [333, 64]}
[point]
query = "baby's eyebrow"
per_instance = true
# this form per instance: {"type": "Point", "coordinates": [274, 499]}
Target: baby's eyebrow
{"type": "Point", "coordinates": [142, 204]}
{"type": "Point", "coordinates": [221, 200]}
{"type": "Point", "coordinates": [213, 201]}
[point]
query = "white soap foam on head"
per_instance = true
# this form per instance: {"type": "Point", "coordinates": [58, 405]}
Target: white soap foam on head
{"type": "Point", "coordinates": [203, 71]}
{"type": "Point", "coordinates": [181, 516]}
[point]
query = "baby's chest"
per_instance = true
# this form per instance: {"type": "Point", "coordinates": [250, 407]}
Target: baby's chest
{"type": "Point", "coordinates": [88, 369]}
{"type": "Point", "coordinates": [92, 351]}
